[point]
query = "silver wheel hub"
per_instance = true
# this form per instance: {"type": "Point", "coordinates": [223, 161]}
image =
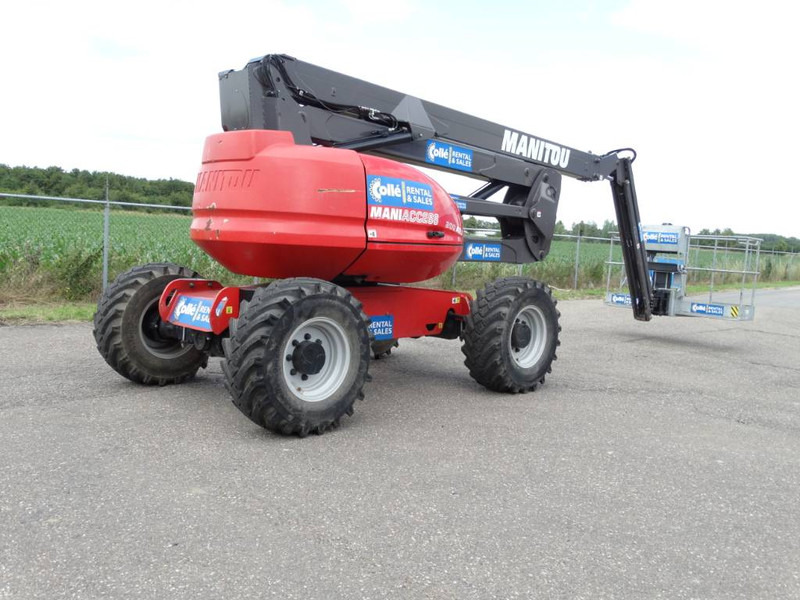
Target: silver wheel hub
{"type": "Point", "coordinates": [316, 359]}
{"type": "Point", "coordinates": [528, 337]}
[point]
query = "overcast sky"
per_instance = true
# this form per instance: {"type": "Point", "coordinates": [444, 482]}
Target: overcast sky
{"type": "Point", "coordinates": [705, 91]}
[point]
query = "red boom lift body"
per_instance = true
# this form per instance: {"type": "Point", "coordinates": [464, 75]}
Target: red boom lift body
{"type": "Point", "coordinates": [314, 190]}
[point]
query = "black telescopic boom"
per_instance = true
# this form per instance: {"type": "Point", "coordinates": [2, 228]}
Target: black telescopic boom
{"type": "Point", "coordinates": [630, 234]}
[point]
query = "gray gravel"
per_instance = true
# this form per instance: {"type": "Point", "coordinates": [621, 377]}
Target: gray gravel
{"type": "Point", "coordinates": [660, 460]}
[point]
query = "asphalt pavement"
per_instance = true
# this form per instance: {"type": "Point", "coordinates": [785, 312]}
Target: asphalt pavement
{"type": "Point", "coordinates": [660, 460]}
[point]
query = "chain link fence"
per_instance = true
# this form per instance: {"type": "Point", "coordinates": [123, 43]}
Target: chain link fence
{"type": "Point", "coordinates": [69, 248]}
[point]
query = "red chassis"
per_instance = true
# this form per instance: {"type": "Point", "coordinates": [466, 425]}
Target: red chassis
{"type": "Point", "coordinates": [399, 311]}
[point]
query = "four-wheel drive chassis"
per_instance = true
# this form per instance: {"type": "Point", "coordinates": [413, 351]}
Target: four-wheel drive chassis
{"type": "Point", "coordinates": [200, 310]}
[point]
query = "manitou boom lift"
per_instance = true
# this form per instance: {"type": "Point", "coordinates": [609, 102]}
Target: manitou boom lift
{"type": "Point", "coordinates": [319, 106]}
{"type": "Point", "coordinates": [311, 185]}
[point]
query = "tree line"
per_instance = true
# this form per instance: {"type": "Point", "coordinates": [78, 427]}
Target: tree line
{"type": "Point", "coordinates": [91, 185]}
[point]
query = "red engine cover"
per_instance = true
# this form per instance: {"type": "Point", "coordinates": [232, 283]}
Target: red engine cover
{"type": "Point", "coordinates": [413, 225]}
{"type": "Point", "coordinates": [266, 207]}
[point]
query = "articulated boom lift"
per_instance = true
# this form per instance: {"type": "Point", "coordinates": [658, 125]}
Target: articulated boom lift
{"type": "Point", "coordinates": [319, 106]}
{"type": "Point", "coordinates": [311, 184]}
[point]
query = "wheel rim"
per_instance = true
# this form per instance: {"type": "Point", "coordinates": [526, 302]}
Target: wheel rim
{"type": "Point", "coordinates": [528, 353]}
{"type": "Point", "coordinates": [308, 376]}
{"type": "Point", "coordinates": [152, 340]}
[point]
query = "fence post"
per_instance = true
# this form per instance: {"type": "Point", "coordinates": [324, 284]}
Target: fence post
{"type": "Point", "coordinates": [577, 259]}
{"type": "Point", "coordinates": [106, 213]}
{"type": "Point", "coordinates": [713, 270]}
{"type": "Point", "coordinates": [453, 279]}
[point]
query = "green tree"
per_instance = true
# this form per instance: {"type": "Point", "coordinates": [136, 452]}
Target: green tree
{"type": "Point", "coordinates": [54, 181]}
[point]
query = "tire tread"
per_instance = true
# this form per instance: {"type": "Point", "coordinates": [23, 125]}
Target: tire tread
{"type": "Point", "coordinates": [483, 335]}
{"type": "Point", "coordinates": [107, 322]}
{"type": "Point", "coordinates": [246, 360]}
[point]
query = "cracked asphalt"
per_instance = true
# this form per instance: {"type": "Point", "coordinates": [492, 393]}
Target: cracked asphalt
{"type": "Point", "coordinates": [660, 460]}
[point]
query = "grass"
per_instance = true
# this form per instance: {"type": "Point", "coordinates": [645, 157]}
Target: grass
{"type": "Point", "coordinates": [25, 314]}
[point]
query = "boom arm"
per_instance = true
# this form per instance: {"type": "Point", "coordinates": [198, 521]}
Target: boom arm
{"type": "Point", "coordinates": [324, 107]}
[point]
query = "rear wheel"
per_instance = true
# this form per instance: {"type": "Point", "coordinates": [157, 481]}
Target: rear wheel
{"type": "Point", "coordinates": [298, 355]}
{"type": "Point", "coordinates": [511, 335]}
{"type": "Point", "coordinates": [126, 328]}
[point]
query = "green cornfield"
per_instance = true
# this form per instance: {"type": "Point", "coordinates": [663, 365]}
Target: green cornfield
{"type": "Point", "coordinates": [55, 253]}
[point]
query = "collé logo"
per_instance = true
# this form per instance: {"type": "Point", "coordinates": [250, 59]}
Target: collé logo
{"type": "Point", "coordinates": [192, 311]}
{"type": "Point", "coordinates": [714, 310]}
{"type": "Point", "coordinates": [437, 153]}
{"type": "Point", "coordinates": [378, 190]}
{"type": "Point", "coordinates": [447, 155]}
{"type": "Point", "coordinates": [621, 299]}
{"type": "Point", "coordinates": [401, 193]}
{"type": "Point", "coordinates": [484, 252]}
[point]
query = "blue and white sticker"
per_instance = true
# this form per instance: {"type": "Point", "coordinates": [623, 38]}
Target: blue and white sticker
{"type": "Point", "coordinates": [382, 328]}
{"type": "Point", "coordinates": [668, 261]}
{"type": "Point", "coordinates": [661, 237]}
{"type": "Point", "coordinates": [193, 312]}
{"type": "Point", "coordinates": [668, 237]}
{"type": "Point", "coordinates": [714, 310]}
{"type": "Point", "coordinates": [448, 155]}
{"type": "Point", "coordinates": [621, 299]}
{"type": "Point", "coordinates": [399, 193]}
{"type": "Point", "coordinates": [460, 204]}
{"type": "Point", "coordinates": [485, 252]}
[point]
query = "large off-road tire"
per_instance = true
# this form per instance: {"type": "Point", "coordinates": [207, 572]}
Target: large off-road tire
{"type": "Point", "coordinates": [126, 328]}
{"type": "Point", "coordinates": [297, 356]}
{"type": "Point", "coordinates": [511, 335]}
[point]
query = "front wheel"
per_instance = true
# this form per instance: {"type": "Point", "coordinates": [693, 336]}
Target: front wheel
{"type": "Point", "coordinates": [511, 335]}
{"type": "Point", "coordinates": [298, 355]}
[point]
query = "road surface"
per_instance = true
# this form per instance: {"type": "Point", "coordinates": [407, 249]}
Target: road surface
{"type": "Point", "coordinates": [660, 460]}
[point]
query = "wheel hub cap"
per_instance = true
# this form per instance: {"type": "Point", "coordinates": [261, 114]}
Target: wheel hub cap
{"type": "Point", "coordinates": [308, 358]}
{"type": "Point", "coordinates": [528, 340]}
{"type": "Point", "coordinates": [316, 359]}
{"type": "Point", "coordinates": [521, 335]}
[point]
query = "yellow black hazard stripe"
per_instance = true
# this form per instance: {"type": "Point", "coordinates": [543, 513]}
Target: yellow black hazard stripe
{"type": "Point", "coordinates": [734, 311]}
